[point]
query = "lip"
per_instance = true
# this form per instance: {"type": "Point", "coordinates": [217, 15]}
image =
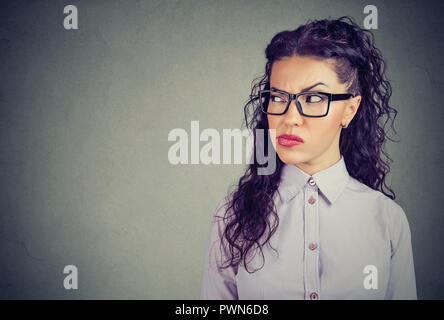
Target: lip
{"type": "Point", "coordinates": [289, 140]}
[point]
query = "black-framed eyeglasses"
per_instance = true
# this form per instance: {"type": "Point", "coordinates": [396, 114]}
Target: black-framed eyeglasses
{"type": "Point", "coordinates": [314, 104]}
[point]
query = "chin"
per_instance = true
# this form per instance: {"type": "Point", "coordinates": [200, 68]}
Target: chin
{"type": "Point", "coordinates": [291, 157]}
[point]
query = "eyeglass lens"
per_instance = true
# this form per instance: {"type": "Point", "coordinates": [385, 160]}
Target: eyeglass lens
{"type": "Point", "coordinates": [313, 104]}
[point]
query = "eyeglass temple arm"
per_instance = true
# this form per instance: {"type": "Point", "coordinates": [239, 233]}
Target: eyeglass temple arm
{"type": "Point", "coordinates": [341, 96]}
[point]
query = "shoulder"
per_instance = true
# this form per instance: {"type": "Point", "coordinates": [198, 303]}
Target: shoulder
{"type": "Point", "coordinates": [360, 195]}
{"type": "Point", "coordinates": [385, 203]}
{"type": "Point", "coordinates": [220, 217]}
{"type": "Point", "coordinates": [220, 213]}
{"type": "Point", "coordinates": [392, 213]}
{"type": "Point", "coordinates": [397, 220]}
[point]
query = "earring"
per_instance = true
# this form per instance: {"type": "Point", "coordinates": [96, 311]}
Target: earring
{"type": "Point", "coordinates": [344, 125]}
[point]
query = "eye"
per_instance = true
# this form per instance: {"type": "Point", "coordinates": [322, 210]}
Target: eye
{"type": "Point", "coordinates": [313, 98]}
{"type": "Point", "coordinates": [278, 98]}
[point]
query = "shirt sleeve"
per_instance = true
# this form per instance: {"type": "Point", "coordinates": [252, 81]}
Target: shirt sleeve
{"type": "Point", "coordinates": [218, 283]}
{"type": "Point", "coordinates": [402, 283]}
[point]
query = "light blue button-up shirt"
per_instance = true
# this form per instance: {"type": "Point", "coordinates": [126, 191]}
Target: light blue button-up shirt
{"type": "Point", "coordinates": [337, 239]}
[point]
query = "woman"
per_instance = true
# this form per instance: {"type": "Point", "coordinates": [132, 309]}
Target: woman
{"type": "Point", "coordinates": [321, 226]}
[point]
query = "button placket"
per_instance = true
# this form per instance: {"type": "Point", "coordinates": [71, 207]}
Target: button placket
{"type": "Point", "coordinates": [311, 231]}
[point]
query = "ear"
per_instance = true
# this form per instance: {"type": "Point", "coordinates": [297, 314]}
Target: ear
{"type": "Point", "coordinates": [351, 109]}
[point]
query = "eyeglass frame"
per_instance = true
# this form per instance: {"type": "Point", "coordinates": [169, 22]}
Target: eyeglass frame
{"type": "Point", "coordinates": [331, 97]}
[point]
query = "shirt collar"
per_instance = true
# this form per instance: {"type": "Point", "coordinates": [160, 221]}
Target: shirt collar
{"type": "Point", "coordinates": [330, 181]}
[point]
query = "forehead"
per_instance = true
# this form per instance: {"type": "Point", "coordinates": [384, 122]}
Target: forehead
{"type": "Point", "coordinates": [295, 73]}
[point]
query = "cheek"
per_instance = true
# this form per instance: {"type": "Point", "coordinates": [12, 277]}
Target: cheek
{"type": "Point", "coordinates": [325, 128]}
{"type": "Point", "coordinates": [274, 122]}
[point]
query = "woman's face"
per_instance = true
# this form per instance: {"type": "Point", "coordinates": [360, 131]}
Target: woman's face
{"type": "Point", "coordinates": [320, 149]}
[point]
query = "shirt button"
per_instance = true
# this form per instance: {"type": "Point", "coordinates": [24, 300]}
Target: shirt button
{"type": "Point", "coordinates": [311, 182]}
{"type": "Point", "coordinates": [313, 296]}
{"type": "Point", "coordinates": [312, 246]}
{"type": "Point", "coordinates": [311, 200]}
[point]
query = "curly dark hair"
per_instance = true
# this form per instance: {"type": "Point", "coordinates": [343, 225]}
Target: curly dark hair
{"type": "Point", "coordinates": [360, 65]}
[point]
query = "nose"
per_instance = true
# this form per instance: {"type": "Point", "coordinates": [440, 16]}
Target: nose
{"type": "Point", "coordinates": [292, 116]}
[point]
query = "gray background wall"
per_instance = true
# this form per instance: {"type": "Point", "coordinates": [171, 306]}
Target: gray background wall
{"type": "Point", "coordinates": [84, 120]}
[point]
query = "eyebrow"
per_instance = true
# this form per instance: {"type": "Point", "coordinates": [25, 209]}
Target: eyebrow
{"type": "Point", "coordinates": [308, 88]}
